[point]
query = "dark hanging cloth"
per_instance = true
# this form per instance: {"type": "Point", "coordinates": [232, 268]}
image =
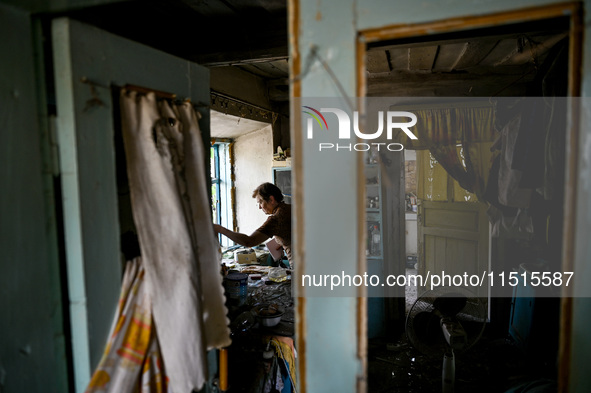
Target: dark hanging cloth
{"type": "Point", "coordinates": [491, 194]}
{"type": "Point", "coordinates": [528, 151]}
{"type": "Point", "coordinates": [554, 85]}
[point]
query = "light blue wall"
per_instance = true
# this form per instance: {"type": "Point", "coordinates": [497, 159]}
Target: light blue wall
{"type": "Point", "coordinates": [378, 13]}
{"type": "Point", "coordinates": [330, 204]}
{"type": "Point", "coordinates": [32, 343]}
{"type": "Point", "coordinates": [330, 360]}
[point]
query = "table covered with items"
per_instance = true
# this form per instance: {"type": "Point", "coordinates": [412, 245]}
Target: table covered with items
{"type": "Point", "coordinates": [261, 312]}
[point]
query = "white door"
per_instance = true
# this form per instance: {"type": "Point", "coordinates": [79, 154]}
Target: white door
{"type": "Point", "coordinates": [88, 62]}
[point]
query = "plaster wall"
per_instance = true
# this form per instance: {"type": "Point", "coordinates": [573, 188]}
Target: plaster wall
{"type": "Point", "coordinates": [253, 158]}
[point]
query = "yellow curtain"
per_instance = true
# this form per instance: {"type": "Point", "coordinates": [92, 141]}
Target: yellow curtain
{"type": "Point", "coordinates": [458, 140]}
{"type": "Point", "coordinates": [432, 179]}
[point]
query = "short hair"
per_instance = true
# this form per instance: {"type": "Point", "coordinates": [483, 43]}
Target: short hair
{"type": "Point", "coordinates": [265, 190]}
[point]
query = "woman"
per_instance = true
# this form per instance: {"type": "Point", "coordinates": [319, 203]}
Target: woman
{"type": "Point", "coordinates": [270, 200]}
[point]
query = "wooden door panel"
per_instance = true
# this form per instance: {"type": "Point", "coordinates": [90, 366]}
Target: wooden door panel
{"type": "Point", "coordinates": [453, 240]}
{"type": "Point", "coordinates": [438, 217]}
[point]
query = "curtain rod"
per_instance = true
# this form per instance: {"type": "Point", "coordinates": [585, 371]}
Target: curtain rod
{"type": "Point", "coordinates": [145, 90]}
{"type": "Point", "coordinates": [173, 96]}
{"type": "Point", "coordinates": [139, 89]}
{"type": "Point", "coordinates": [162, 94]}
{"type": "Point", "coordinates": [441, 105]}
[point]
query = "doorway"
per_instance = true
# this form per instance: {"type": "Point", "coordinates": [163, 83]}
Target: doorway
{"type": "Point", "coordinates": [410, 225]}
{"type": "Point", "coordinates": [476, 59]}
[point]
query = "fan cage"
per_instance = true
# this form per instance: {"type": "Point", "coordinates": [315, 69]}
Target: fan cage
{"type": "Point", "coordinates": [423, 327]}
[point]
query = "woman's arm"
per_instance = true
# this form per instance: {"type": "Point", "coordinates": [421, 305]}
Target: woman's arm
{"type": "Point", "coordinates": [251, 240]}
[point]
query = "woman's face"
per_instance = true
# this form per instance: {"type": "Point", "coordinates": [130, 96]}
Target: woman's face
{"type": "Point", "coordinates": [266, 206]}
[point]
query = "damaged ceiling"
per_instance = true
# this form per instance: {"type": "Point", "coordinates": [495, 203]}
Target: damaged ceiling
{"type": "Point", "coordinates": [500, 61]}
{"type": "Point", "coordinates": [253, 35]}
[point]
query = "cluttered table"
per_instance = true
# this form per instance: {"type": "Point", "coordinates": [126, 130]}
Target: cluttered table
{"type": "Point", "coordinates": [261, 313]}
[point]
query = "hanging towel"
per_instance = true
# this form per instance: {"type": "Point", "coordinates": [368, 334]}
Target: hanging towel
{"type": "Point", "coordinates": [132, 361]}
{"type": "Point", "coordinates": [165, 165]}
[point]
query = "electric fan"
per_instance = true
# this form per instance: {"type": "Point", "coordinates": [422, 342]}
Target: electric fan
{"type": "Point", "coordinates": [445, 321]}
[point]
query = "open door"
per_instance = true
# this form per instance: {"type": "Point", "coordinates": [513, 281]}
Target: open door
{"type": "Point", "coordinates": [88, 62]}
{"type": "Point", "coordinates": [430, 61]}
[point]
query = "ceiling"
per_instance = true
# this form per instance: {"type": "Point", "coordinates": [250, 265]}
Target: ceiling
{"type": "Point", "coordinates": [247, 34]}
{"type": "Point", "coordinates": [499, 61]}
{"type": "Point", "coordinates": [253, 36]}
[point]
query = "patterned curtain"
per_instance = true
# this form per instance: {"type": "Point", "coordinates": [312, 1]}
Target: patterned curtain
{"type": "Point", "coordinates": [455, 138]}
{"type": "Point", "coordinates": [132, 361]}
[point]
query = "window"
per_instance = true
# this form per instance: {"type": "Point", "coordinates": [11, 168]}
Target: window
{"type": "Point", "coordinates": [221, 188]}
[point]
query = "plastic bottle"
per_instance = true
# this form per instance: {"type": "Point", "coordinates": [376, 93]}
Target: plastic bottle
{"type": "Point", "coordinates": [376, 239]}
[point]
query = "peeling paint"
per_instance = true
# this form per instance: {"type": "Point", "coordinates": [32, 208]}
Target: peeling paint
{"type": "Point", "coordinates": [318, 12]}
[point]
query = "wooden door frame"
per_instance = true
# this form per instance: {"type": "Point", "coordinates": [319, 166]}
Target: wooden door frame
{"type": "Point", "coordinates": [574, 10]}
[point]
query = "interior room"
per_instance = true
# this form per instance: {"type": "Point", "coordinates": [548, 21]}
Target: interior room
{"type": "Point", "coordinates": [486, 83]}
{"type": "Point", "coordinates": [449, 72]}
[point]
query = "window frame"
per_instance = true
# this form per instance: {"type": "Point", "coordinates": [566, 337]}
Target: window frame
{"type": "Point", "coordinates": [222, 187]}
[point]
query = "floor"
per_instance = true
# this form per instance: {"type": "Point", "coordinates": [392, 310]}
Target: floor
{"type": "Point", "coordinates": [494, 364]}
{"type": "Point", "coordinates": [410, 291]}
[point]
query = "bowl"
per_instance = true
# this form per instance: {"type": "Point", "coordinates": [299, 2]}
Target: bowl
{"type": "Point", "coordinates": [268, 315]}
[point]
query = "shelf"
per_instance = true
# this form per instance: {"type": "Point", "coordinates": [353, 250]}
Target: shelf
{"type": "Point", "coordinates": [373, 189]}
